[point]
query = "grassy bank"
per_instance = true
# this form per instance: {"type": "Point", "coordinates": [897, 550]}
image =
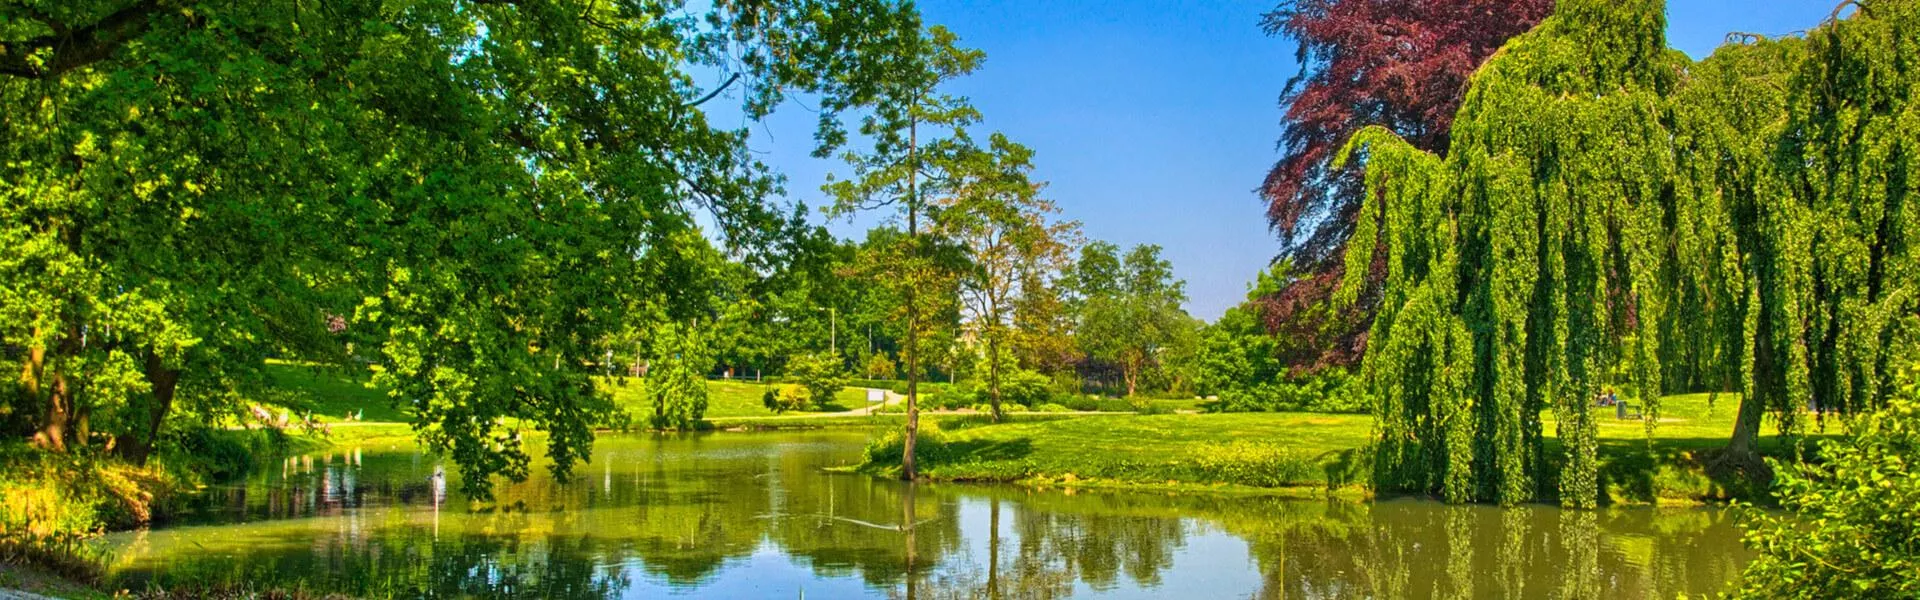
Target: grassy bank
{"type": "Point", "coordinates": [1289, 452]}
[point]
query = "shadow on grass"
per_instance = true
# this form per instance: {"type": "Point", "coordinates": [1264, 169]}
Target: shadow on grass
{"type": "Point", "coordinates": [1689, 469]}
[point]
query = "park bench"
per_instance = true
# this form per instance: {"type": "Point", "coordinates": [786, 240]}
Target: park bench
{"type": "Point", "coordinates": [1621, 411]}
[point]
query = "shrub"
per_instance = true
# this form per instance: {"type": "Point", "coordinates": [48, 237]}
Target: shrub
{"type": "Point", "coordinates": [952, 397]}
{"type": "Point", "coordinates": [930, 447]}
{"type": "Point", "coordinates": [1096, 403]}
{"type": "Point", "coordinates": [1051, 408]}
{"type": "Point", "coordinates": [1026, 388]}
{"type": "Point", "coordinates": [792, 396]}
{"type": "Point", "coordinates": [1147, 406]}
{"type": "Point", "coordinates": [878, 366]}
{"type": "Point", "coordinates": [1856, 515]}
{"type": "Point", "coordinates": [1331, 391]}
{"type": "Point", "coordinates": [820, 372]}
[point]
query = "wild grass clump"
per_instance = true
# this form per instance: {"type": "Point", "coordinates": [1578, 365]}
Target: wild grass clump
{"type": "Point", "coordinates": [929, 448]}
{"type": "Point", "coordinates": [1258, 464]}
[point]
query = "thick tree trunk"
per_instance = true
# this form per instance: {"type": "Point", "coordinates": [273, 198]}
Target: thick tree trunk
{"type": "Point", "coordinates": [1742, 451]}
{"type": "Point", "coordinates": [164, 382]}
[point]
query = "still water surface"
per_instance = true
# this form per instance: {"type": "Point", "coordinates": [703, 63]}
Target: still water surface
{"type": "Point", "coordinates": [737, 515]}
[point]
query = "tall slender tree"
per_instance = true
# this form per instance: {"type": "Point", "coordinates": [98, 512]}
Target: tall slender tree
{"type": "Point", "coordinates": [916, 128]}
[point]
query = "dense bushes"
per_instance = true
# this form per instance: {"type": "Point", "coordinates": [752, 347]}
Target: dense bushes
{"type": "Point", "coordinates": [785, 397]}
{"type": "Point", "coordinates": [821, 374]}
{"type": "Point", "coordinates": [1331, 391]}
{"type": "Point", "coordinates": [1855, 531]}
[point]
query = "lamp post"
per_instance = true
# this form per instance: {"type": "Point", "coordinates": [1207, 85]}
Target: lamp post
{"type": "Point", "coordinates": [833, 329]}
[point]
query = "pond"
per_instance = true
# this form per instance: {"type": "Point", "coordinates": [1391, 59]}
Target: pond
{"type": "Point", "coordinates": [739, 515]}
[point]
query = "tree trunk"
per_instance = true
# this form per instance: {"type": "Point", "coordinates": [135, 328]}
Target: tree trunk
{"type": "Point", "coordinates": [1742, 452]}
{"type": "Point", "coordinates": [57, 425]}
{"type": "Point", "coordinates": [163, 381]}
{"type": "Point", "coordinates": [1130, 372]}
{"type": "Point", "coordinates": [912, 338]}
{"type": "Point", "coordinates": [993, 375]}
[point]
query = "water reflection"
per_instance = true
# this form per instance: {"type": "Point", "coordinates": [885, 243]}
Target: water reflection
{"type": "Point", "coordinates": [737, 515]}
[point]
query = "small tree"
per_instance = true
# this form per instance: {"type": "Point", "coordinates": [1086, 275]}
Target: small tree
{"type": "Point", "coordinates": [820, 373]}
{"type": "Point", "coordinates": [676, 386]}
{"type": "Point", "coordinates": [879, 366]}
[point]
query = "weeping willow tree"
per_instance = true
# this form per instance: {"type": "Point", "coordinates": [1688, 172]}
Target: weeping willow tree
{"type": "Point", "coordinates": [1611, 214]}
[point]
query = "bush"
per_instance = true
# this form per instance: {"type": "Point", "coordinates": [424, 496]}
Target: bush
{"type": "Point", "coordinates": [1051, 408]}
{"type": "Point", "coordinates": [792, 396]}
{"type": "Point", "coordinates": [878, 366]}
{"type": "Point", "coordinates": [821, 374]}
{"type": "Point", "coordinates": [1855, 517]}
{"type": "Point", "coordinates": [930, 447]}
{"type": "Point", "coordinates": [952, 398]}
{"type": "Point", "coordinates": [1026, 388]}
{"type": "Point", "coordinates": [1096, 403]}
{"type": "Point", "coordinates": [1331, 391]}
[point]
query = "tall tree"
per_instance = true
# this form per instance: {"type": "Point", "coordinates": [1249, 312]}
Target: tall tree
{"type": "Point", "coordinates": [1398, 64]}
{"type": "Point", "coordinates": [1603, 197]}
{"type": "Point", "coordinates": [916, 129]}
{"type": "Point", "coordinates": [470, 194]}
{"type": "Point", "coordinates": [994, 212]}
{"type": "Point", "coordinates": [1130, 316]}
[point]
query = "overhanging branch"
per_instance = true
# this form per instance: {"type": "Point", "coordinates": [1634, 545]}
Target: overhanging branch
{"type": "Point", "coordinates": [72, 47]}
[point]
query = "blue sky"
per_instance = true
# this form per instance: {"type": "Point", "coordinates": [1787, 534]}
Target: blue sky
{"type": "Point", "coordinates": [1153, 121]}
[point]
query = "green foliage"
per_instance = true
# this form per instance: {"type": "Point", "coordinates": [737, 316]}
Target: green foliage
{"type": "Point", "coordinates": [1259, 464]}
{"type": "Point", "coordinates": [1331, 390]}
{"type": "Point", "coordinates": [820, 373]}
{"type": "Point", "coordinates": [477, 198]}
{"type": "Point", "coordinates": [786, 397]}
{"type": "Point", "coordinates": [1855, 514]}
{"type": "Point", "coordinates": [1026, 388]}
{"type": "Point", "coordinates": [1602, 200]}
{"type": "Point", "coordinates": [1130, 310]}
{"type": "Point", "coordinates": [878, 366]}
{"type": "Point", "coordinates": [676, 386]}
{"type": "Point", "coordinates": [930, 446]}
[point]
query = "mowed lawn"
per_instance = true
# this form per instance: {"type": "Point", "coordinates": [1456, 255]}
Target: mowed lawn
{"type": "Point", "coordinates": [1310, 447]}
{"type": "Point", "coordinates": [1177, 436]}
{"type": "Point", "coordinates": [332, 395]}
{"type": "Point", "coordinates": [730, 398]}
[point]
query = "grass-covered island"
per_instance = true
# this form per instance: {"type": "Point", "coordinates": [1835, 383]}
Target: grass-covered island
{"type": "Point", "coordinates": [1297, 453]}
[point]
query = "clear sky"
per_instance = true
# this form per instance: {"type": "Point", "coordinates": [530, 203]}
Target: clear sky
{"type": "Point", "coordinates": [1153, 121]}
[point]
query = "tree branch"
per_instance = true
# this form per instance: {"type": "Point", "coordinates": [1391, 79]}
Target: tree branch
{"type": "Point", "coordinates": [74, 48]}
{"type": "Point", "coordinates": [715, 92]}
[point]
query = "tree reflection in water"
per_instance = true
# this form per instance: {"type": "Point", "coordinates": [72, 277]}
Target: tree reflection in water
{"type": "Point", "coordinates": [755, 515]}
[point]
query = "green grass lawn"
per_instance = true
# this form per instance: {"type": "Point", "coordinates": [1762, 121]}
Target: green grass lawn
{"type": "Point", "coordinates": [332, 394]}
{"type": "Point", "coordinates": [1309, 449]}
{"type": "Point", "coordinates": [732, 399]}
